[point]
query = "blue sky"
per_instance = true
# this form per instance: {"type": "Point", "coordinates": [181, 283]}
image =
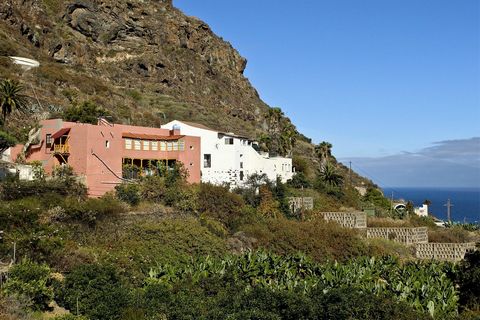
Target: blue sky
{"type": "Point", "coordinates": [375, 78]}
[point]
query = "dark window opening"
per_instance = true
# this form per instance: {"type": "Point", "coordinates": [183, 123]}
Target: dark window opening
{"type": "Point", "coordinates": [207, 160]}
{"type": "Point", "coordinates": [48, 140]}
{"type": "Point", "coordinates": [228, 140]}
{"type": "Point", "coordinates": [241, 175]}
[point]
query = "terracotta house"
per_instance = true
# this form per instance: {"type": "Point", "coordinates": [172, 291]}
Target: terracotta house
{"type": "Point", "coordinates": [99, 153]}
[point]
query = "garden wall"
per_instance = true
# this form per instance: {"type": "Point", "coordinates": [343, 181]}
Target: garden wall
{"type": "Point", "coordinates": [443, 251]}
{"type": "Point", "coordinates": [402, 235]}
{"type": "Point", "coordinates": [347, 219]}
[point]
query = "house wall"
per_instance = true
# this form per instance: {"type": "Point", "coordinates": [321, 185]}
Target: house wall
{"type": "Point", "coordinates": [97, 151]}
{"type": "Point", "coordinates": [422, 211]}
{"type": "Point", "coordinates": [229, 161]}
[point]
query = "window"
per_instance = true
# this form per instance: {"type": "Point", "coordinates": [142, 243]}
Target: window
{"type": "Point", "coordinates": [241, 165]}
{"type": "Point", "coordinates": [128, 144]}
{"type": "Point", "coordinates": [107, 144]}
{"type": "Point", "coordinates": [181, 145]}
{"type": "Point", "coordinates": [154, 145]}
{"type": "Point", "coordinates": [146, 145]}
{"type": "Point", "coordinates": [169, 146]}
{"type": "Point", "coordinates": [175, 146]}
{"type": "Point", "coordinates": [137, 145]}
{"type": "Point", "coordinates": [241, 175]}
{"type": "Point", "coordinates": [163, 146]}
{"type": "Point", "coordinates": [229, 140]}
{"type": "Point", "coordinates": [207, 160]}
{"type": "Point", "coordinates": [48, 140]}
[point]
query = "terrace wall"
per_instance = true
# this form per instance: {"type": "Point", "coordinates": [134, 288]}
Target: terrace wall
{"type": "Point", "coordinates": [402, 235]}
{"type": "Point", "coordinates": [443, 251]}
{"type": "Point", "coordinates": [347, 219]}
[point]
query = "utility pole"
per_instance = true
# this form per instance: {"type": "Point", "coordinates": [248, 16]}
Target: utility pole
{"type": "Point", "coordinates": [391, 207]}
{"type": "Point", "coordinates": [350, 172]}
{"type": "Point", "coordinates": [449, 205]}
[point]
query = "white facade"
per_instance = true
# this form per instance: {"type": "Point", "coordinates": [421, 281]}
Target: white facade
{"type": "Point", "coordinates": [8, 167]}
{"type": "Point", "coordinates": [422, 211]}
{"type": "Point", "coordinates": [228, 158]}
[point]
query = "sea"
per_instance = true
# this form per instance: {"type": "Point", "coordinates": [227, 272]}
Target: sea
{"type": "Point", "coordinates": [465, 201]}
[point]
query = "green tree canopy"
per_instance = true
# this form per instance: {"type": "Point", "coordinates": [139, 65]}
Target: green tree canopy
{"type": "Point", "coordinates": [6, 141]}
{"type": "Point", "coordinates": [11, 98]}
{"type": "Point", "coordinates": [87, 112]}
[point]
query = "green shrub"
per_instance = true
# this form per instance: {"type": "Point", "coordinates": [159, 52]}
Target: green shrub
{"type": "Point", "coordinates": [319, 239]}
{"type": "Point", "coordinates": [70, 317]}
{"type": "Point", "coordinates": [346, 303]}
{"type": "Point", "coordinates": [91, 210]}
{"type": "Point", "coordinates": [299, 181]}
{"type": "Point", "coordinates": [87, 112]}
{"type": "Point", "coordinates": [97, 289]}
{"type": "Point", "coordinates": [6, 141]}
{"type": "Point", "coordinates": [468, 280]}
{"type": "Point", "coordinates": [219, 203]}
{"type": "Point", "coordinates": [153, 188]}
{"type": "Point", "coordinates": [16, 189]}
{"type": "Point", "coordinates": [31, 280]}
{"type": "Point", "coordinates": [20, 214]}
{"type": "Point", "coordinates": [129, 193]}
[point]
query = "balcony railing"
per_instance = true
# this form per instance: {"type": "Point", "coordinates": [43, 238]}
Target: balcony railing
{"type": "Point", "coordinates": [61, 149]}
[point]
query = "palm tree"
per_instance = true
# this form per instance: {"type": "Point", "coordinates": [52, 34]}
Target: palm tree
{"type": "Point", "coordinates": [323, 152]}
{"type": "Point", "coordinates": [330, 176]}
{"type": "Point", "coordinates": [11, 98]}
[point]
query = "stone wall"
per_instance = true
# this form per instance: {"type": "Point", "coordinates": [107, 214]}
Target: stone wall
{"type": "Point", "coordinates": [300, 203]}
{"type": "Point", "coordinates": [443, 251]}
{"type": "Point", "coordinates": [347, 219]}
{"type": "Point", "coordinates": [402, 235]}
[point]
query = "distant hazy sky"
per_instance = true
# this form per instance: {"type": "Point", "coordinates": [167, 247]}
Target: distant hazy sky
{"type": "Point", "coordinates": [376, 78]}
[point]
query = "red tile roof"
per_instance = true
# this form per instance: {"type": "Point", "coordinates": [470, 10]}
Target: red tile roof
{"type": "Point", "coordinates": [150, 136]}
{"type": "Point", "coordinates": [60, 133]}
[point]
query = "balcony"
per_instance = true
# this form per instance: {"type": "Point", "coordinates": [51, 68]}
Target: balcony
{"type": "Point", "coordinates": [61, 149]}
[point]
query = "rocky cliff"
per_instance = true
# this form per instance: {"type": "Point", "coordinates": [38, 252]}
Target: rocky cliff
{"type": "Point", "coordinates": [144, 60]}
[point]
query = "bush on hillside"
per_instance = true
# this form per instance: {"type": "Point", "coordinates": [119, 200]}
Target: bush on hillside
{"type": "Point", "coordinates": [31, 280]}
{"type": "Point", "coordinates": [6, 141]}
{"type": "Point", "coordinates": [468, 280]}
{"type": "Point", "coordinates": [375, 197]}
{"type": "Point", "coordinates": [319, 239]}
{"type": "Point", "coordinates": [299, 181]}
{"type": "Point", "coordinates": [63, 185]}
{"type": "Point", "coordinates": [91, 210]}
{"type": "Point", "coordinates": [98, 290]}
{"type": "Point", "coordinates": [129, 193]}
{"type": "Point", "coordinates": [87, 112]}
{"type": "Point", "coordinates": [219, 203]}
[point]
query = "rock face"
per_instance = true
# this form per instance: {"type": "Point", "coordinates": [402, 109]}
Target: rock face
{"type": "Point", "coordinates": [137, 58]}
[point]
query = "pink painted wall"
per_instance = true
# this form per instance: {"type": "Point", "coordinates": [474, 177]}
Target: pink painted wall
{"type": "Point", "coordinates": [96, 152]}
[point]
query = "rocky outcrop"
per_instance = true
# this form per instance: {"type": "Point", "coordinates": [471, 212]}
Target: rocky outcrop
{"type": "Point", "coordinates": [146, 46]}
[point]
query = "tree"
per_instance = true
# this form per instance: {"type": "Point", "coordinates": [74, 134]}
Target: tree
{"type": "Point", "coordinates": [11, 98]}
{"type": "Point", "coordinates": [6, 141]}
{"type": "Point", "coordinates": [468, 278]}
{"type": "Point", "coordinates": [31, 280]}
{"type": "Point", "coordinates": [330, 176]}
{"type": "Point", "coordinates": [427, 202]}
{"type": "Point", "coordinates": [324, 152]}
{"type": "Point", "coordinates": [281, 133]}
{"type": "Point", "coordinates": [87, 112]}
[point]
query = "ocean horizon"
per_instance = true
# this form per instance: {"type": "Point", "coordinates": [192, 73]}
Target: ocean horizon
{"type": "Point", "coordinates": [465, 200]}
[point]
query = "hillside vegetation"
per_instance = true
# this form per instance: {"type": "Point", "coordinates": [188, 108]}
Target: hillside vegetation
{"type": "Point", "coordinates": [161, 248]}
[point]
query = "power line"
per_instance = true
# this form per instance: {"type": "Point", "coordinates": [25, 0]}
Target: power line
{"type": "Point", "coordinates": [371, 177]}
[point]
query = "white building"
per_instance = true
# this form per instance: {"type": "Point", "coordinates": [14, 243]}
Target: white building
{"type": "Point", "coordinates": [229, 158]}
{"type": "Point", "coordinates": [422, 211]}
{"type": "Point", "coordinates": [8, 167]}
